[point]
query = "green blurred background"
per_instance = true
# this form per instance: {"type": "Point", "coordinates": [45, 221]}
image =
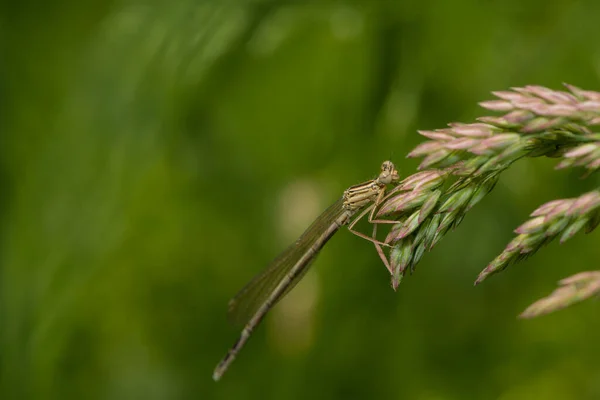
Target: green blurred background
{"type": "Point", "coordinates": [156, 155]}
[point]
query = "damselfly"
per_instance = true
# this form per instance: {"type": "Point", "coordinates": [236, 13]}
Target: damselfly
{"type": "Point", "coordinates": [253, 302]}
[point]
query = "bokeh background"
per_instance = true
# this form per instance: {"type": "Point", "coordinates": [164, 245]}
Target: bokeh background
{"type": "Point", "coordinates": [156, 155]}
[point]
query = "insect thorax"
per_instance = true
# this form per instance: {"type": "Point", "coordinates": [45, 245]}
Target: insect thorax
{"type": "Point", "coordinates": [356, 197]}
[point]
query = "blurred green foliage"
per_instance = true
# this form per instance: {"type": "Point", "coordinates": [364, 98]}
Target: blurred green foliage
{"type": "Point", "coordinates": [156, 155]}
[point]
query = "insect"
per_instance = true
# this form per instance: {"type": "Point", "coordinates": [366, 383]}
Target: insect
{"type": "Point", "coordinates": [253, 302]}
